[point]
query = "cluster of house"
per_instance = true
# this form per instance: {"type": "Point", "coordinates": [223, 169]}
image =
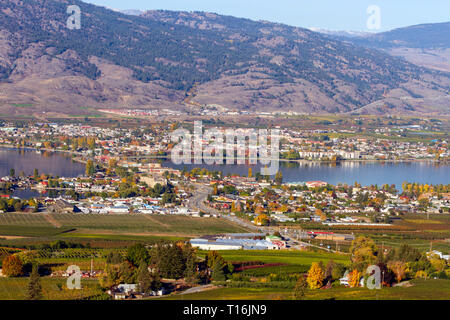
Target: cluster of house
{"type": "Point", "coordinates": [97, 205]}
{"type": "Point", "coordinates": [131, 291]}
{"type": "Point", "coordinates": [114, 142]}
{"type": "Point", "coordinates": [359, 148]}
{"type": "Point", "coordinates": [439, 254]}
{"type": "Point", "coordinates": [303, 202]}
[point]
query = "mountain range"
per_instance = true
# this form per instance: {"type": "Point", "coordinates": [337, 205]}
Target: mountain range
{"type": "Point", "coordinates": [427, 45]}
{"type": "Point", "coordinates": [156, 59]}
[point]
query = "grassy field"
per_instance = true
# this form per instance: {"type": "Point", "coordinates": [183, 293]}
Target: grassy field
{"type": "Point", "coordinates": [295, 261]}
{"type": "Point", "coordinates": [420, 290]}
{"type": "Point", "coordinates": [304, 258]}
{"type": "Point", "coordinates": [175, 225]}
{"type": "Point", "coordinates": [125, 228]}
{"type": "Point", "coordinates": [53, 289]}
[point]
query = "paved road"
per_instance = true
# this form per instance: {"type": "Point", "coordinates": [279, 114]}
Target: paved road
{"type": "Point", "coordinates": [197, 203]}
{"type": "Point", "coordinates": [201, 193]}
{"type": "Point", "coordinates": [198, 289]}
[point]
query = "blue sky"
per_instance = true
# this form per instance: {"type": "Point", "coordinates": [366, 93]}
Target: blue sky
{"type": "Point", "coordinates": [324, 14]}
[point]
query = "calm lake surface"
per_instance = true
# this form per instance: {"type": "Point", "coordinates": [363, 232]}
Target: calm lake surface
{"type": "Point", "coordinates": [56, 164]}
{"type": "Point", "coordinates": [365, 173]}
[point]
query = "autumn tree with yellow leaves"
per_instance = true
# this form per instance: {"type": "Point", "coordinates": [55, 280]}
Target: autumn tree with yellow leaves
{"type": "Point", "coordinates": [354, 278]}
{"type": "Point", "coordinates": [399, 269]}
{"type": "Point", "coordinates": [262, 220]}
{"type": "Point", "coordinates": [315, 276]}
{"type": "Point", "coordinates": [363, 252]}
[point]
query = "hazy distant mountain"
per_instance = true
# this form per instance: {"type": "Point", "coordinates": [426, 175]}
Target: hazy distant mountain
{"type": "Point", "coordinates": [426, 45]}
{"type": "Point", "coordinates": [342, 33]}
{"type": "Point", "coordinates": [422, 36]}
{"type": "Point", "coordinates": [119, 60]}
{"type": "Point", "coordinates": [132, 12]}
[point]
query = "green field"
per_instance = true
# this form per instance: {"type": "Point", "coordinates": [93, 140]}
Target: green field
{"type": "Point", "coordinates": [15, 289]}
{"type": "Point", "coordinates": [300, 258]}
{"type": "Point", "coordinates": [294, 262]}
{"type": "Point", "coordinates": [111, 227]}
{"type": "Point", "coordinates": [420, 290]}
{"type": "Point", "coordinates": [175, 225]}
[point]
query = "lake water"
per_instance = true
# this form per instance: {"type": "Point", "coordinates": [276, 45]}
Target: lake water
{"type": "Point", "coordinates": [365, 173]}
{"type": "Point", "coordinates": [53, 163]}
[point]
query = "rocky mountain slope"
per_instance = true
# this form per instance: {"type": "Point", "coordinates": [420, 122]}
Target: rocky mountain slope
{"type": "Point", "coordinates": [153, 60]}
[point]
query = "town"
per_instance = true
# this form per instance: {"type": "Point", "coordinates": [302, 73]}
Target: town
{"type": "Point", "coordinates": [126, 189]}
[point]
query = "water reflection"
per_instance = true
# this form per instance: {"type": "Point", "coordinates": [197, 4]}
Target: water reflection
{"type": "Point", "coordinates": [366, 173]}
{"type": "Point", "coordinates": [26, 160]}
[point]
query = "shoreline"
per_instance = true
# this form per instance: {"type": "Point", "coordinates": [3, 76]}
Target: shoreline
{"type": "Point", "coordinates": [236, 159]}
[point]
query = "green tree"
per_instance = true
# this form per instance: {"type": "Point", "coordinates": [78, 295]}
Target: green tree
{"type": "Point", "coordinates": [169, 260]}
{"type": "Point", "coordinates": [279, 177]}
{"type": "Point", "coordinates": [111, 276]}
{"type": "Point", "coordinates": [12, 172]}
{"type": "Point", "coordinates": [127, 272]}
{"type": "Point", "coordinates": [34, 288]}
{"type": "Point", "coordinates": [338, 271]}
{"type": "Point", "coordinates": [137, 253]}
{"type": "Point", "coordinates": [18, 206]}
{"type": "Point", "coordinates": [114, 258]}
{"type": "Point", "coordinates": [300, 288]}
{"type": "Point", "coordinates": [363, 252]}
{"type": "Point", "coordinates": [191, 274]}
{"type": "Point", "coordinates": [90, 168]}
{"type": "Point", "coordinates": [214, 256]}
{"type": "Point", "coordinates": [218, 273]}
{"type": "Point", "coordinates": [144, 278]}
{"type": "Point", "coordinates": [329, 269]}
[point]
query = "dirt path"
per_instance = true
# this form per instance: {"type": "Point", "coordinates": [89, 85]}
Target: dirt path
{"type": "Point", "coordinates": [12, 237]}
{"type": "Point", "coordinates": [152, 219]}
{"type": "Point", "coordinates": [52, 220]}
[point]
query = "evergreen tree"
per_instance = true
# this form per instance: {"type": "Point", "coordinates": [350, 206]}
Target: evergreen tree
{"type": "Point", "coordinates": [329, 270]}
{"type": "Point", "coordinates": [217, 271]}
{"type": "Point", "coordinates": [137, 253]}
{"type": "Point", "coordinates": [279, 178]}
{"type": "Point", "coordinates": [90, 168]}
{"type": "Point", "coordinates": [300, 288]}
{"type": "Point", "coordinates": [34, 288]}
{"type": "Point", "coordinates": [190, 273]}
{"type": "Point", "coordinates": [144, 279]}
